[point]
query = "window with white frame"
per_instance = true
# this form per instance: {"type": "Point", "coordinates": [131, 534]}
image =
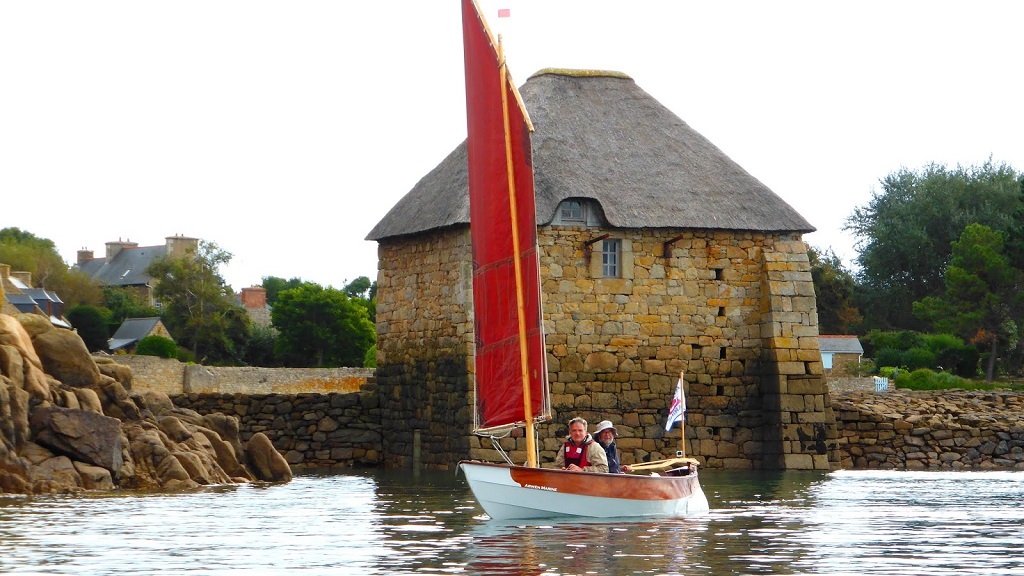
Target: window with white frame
{"type": "Point", "coordinates": [611, 258]}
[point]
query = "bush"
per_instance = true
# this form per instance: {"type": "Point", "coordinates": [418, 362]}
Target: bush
{"type": "Point", "coordinates": [918, 358]}
{"type": "Point", "coordinates": [889, 357]}
{"type": "Point", "coordinates": [925, 379]}
{"type": "Point", "coordinates": [156, 346]}
{"type": "Point", "coordinates": [370, 361]}
{"type": "Point", "coordinates": [940, 342]}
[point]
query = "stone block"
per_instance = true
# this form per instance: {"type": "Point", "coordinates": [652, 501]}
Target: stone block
{"type": "Point", "coordinates": [600, 362]}
{"type": "Point", "coordinates": [807, 386]}
{"type": "Point", "coordinates": [791, 368]}
{"type": "Point", "coordinates": [798, 461]}
{"type": "Point", "coordinates": [792, 403]}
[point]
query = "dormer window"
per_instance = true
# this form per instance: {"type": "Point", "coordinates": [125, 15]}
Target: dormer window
{"type": "Point", "coordinates": [578, 212]}
{"type": "Point", "coordinates": [572, 211]}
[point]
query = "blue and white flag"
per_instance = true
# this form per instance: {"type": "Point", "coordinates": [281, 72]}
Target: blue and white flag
{"type": "Point", "coordinates": [677, 410]}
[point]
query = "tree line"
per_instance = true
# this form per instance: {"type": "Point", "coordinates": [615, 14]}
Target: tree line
{"type": "Point", "coordinates": [940, 251]}
{"type": "Point", "coordinates": [311, 325]}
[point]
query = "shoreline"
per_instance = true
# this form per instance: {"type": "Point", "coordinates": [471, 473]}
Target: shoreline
{"type": "Point", "coordinates": [900, 429]}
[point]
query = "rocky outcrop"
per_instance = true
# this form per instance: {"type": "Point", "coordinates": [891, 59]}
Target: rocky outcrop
{"type": "Point", "coordinates": [68, 422]}
{"type": "Point", "coordinates": [934, 430]}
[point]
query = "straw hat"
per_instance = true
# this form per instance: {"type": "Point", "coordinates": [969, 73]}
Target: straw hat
{"type": "Point", "coordinates": [605, 425]}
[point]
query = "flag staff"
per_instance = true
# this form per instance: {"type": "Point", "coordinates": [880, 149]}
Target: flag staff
{"type": "Point", "coordinates": [682, 422]}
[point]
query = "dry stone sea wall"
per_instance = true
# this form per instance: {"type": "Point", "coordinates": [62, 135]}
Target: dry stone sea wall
{"type": "Point", "coordinates": [333, 430]}
{"type": "Point", "coordinates": [934, 430]}
{"type": "Point", "coordinates": [170, 376]}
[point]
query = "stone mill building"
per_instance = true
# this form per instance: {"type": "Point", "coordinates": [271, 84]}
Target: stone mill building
{"type": "Point", "coordinates": [658, 255]}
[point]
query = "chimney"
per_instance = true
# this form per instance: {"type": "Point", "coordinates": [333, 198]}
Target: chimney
{"type": "Point", "coordinates": [5, 272]}
{"type": "Point", "coordinates": [84, 256]}
{"type": "Point", "coordinates": [178, 246]}
{"type": "Point", "coordinates": [114, 247]}
{"type": "Point", "coordinates": [254, 297]}
{"type": "Point", "coordinates": [23, 275]}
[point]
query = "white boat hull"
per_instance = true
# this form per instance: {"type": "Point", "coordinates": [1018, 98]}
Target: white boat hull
{"type": "Point", "coordinates": [512, 492]}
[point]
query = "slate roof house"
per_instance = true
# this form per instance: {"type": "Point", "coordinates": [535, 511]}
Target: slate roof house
{"type": "Point", "coordinates": [17, 295]}
{"type": "Point", "coordinates": [124, 263]}
{"type": "Point", "coordinates": [134, 329]}
{"type": "Point", "coordinates": [658, 255]}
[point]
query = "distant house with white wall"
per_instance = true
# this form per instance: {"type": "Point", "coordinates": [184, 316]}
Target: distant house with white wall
{"type": "Point", "coordinates": [839, 352]}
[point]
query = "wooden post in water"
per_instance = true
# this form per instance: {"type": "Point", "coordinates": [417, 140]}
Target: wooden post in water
{"type": "Point", "coordinates": [417, 454]}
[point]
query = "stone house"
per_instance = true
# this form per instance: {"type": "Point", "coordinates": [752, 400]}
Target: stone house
{"type": "Point", "coordinates": [124, 263]}
{"type": "Point", "coordinates": [659, 255]}
{"type": "Point", "coordinates": [132, 330]}
{"type": "Point", "coordinates": [840, 353]}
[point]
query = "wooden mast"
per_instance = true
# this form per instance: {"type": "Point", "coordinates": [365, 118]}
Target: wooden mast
{"type": "Point", "coordinates": [531, 447]}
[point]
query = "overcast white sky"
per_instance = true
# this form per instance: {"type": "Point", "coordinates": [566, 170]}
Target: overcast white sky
{"type": "Point", "coordinates": [283, 131]}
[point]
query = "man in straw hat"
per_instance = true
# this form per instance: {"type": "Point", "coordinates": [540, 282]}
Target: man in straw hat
{"type": "Point", "coordinates": [605, 435]}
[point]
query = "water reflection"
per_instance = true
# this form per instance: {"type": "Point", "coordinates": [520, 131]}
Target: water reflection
{"type": "Point", "coordinates": [397, 523]}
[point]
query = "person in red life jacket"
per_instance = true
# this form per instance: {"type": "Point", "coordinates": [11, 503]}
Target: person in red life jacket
{"type": "Point", "coordinates": [580, 453]}
{"type": "Point", "coordinates": [605, 435]}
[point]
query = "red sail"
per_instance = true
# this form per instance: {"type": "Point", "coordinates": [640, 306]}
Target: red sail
{"type": "Point", "coordinates": [499, 374]}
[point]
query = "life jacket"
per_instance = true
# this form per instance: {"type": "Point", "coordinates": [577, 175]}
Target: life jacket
{"type": "Point", "coordinates": [577, 454]}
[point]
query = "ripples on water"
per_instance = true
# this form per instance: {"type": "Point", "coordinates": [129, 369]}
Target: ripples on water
{"type": "Point", "coordinates": [390, 523]}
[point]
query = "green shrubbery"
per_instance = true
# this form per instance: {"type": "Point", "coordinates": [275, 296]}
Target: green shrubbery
{"type": "Point", "coordinates": [914, 350]}
{"type": "Point", "coordinates": [157, 346]}
{"type": "Point", "coordinates": [925, 379]}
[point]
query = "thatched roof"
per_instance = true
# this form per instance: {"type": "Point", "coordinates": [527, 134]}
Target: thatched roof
{"type": "Point", "coordinates": [600, 136]}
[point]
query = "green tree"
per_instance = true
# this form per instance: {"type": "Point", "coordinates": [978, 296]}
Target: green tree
{"type": "Point", "coordinates": [1015, 233]}
{"type": "Point", "coordinates": [364, 292]}
{"type": "Point", "coordinates": [123, 303]}
{"type": "Point", "coordinates": [275, 285]}
{"type": "Point", "coordinates": [321, 327]}
{"type": "Point", "coordinates": [370, 361]}
{"type": "Point", "coordinates": [25, 251]}
{"type": "Point", "coordinates": [833, 290]}
{"type": "Point", "coordinates": [199, 309]}
{"type": "Point", "coordinates": [982, 294]}
{"type": "Point", "coordinates": [358, 288]}
{"type": "Point", "coordinates": [91, 324]}
{"type": "Point", "coordinates": [905, 233]}
{"type": "Point", "coordinates": [260, 351]}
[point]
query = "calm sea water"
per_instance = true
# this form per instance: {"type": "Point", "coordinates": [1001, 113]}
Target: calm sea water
{"type": "Point", "coordinates": [396, 523]}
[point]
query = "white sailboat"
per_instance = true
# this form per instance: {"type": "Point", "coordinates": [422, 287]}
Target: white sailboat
{"type": "Point", "coordinates": [511, 373]}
